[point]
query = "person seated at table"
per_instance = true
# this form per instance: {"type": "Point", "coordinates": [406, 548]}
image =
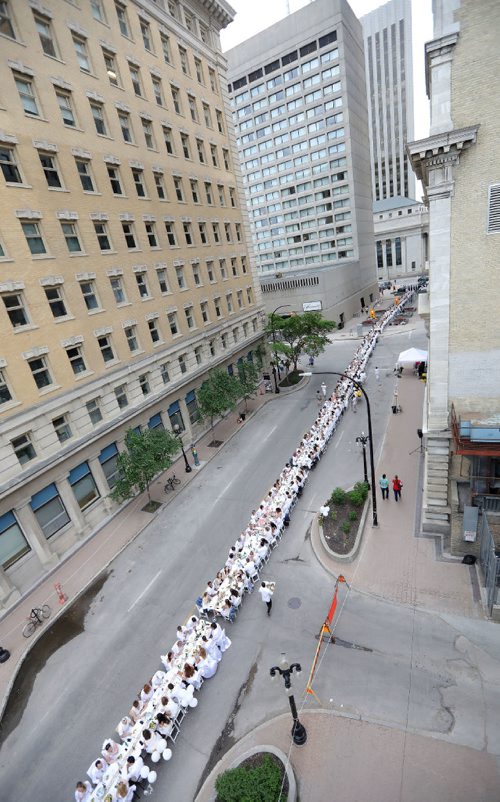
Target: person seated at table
{"type": "Point", "coordinates": [228, 611]}
{"type": "Point", "coordinates": [170, 707]}
{"type": "Point", "coordinates": [210, 590]}
{"type": "Point", "coordinates": [211, 648]}
{"type": "Point", "coordinates": [124, 792]}
{"type": "Point", "coordinates": [132, 769]}
{"type": "Point", "coordinates": [234, 597]}
{"type": "Point", "coordinates": [220, 637]}
{"type": "Point", "coordinates": [152, 742]}
{"type": "Point", "coordinates": [262, 552]}
{"type": "Point", "coordinates": [110, 751]}
{"type": "Point", "coordinates": [230, 560]}
{"type": "Point", "coordinates": [180, 633]}
{"type": "Point", "coordinates": [96, 771]}
{"type": "Point", "coordinates": [146, 694]}
{"type": "Point", "coordinates": [135, 710]}
{"type": "Point", "coordinates": [192, 622]}
{"type": "Point", "coordinates": [167, 659]}
{"type": "Point", "coordinates": [181, 694]}
{"type": "Point", "coordinates": [205, 664]}
{"type": "Point", "coordinates": [177, 647]}
{"type": "Point", "coordinates": [83, 791]}
{"type": "Point", "coordinates": [157, 679]}
{"type": "Point", "coordinates": [164, 724]}
{"type": "Point", "coordinates": [124, 727]}
{"type": "Point", "coordinates": [190, 675]}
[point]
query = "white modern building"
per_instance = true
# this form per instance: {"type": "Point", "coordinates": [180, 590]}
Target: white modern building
{"type": "Point", "coordinates": [298, 96]}
{"type": "Point", "coordinates": [387, 33]}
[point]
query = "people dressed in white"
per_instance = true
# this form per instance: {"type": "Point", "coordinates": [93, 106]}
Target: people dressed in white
{"type": "Point", "coordinates": [152, 742]}
{"type": "Point", "coordinates": [96, 771]}
{"type": "Point", "coordinates": [158, 679]}
{"type": "Point", "coordinates": [83, 791]}
{"type": "Point", "coordinates": [205, 664]}
{"type": "Point", "coordinates": [133, 768]}
{"type": "Point", "coordinates": [124, 727]}
{"type": "Point", "coordinates": [220, 637]}
{"type": "Point", "coordinates": [110, 750]}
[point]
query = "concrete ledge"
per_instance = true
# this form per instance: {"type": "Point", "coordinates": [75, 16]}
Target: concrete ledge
{"type": "Point", "coordinates": [317, 531]}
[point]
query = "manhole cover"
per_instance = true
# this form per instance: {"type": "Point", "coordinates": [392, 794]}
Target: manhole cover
{"type": "Point", "coordinates": [294, 602]}
{"type": "Point", "coordinates": [215, 443]}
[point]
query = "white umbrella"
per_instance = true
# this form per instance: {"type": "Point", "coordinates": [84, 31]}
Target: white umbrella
{"type": "Point", "coordinates": [412, 355]}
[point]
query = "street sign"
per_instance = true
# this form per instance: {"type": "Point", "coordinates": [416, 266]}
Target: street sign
{"type": "Point", "coordinates": [312, 306]}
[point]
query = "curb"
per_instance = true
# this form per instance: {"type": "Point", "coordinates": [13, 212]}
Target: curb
{"type": "Point", "coordinates": [273, 750]}
{"type": "Point", "coordinates": [351, 555]}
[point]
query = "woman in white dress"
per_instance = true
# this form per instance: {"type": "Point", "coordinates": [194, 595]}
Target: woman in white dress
{"type": "Point", "coordinates": [211, 648]}
{"type": "Point", "coordinates": [124, 792]}
{"type": "Point", "coordinates": [158, 679]}
{"type": "Point", "coordinates": [170, 707]}
{"type": "Point", "coordinates": [164, 725]}
{"type": "Point", "coordinates": [110, 751]}
{"type": "Point", "coordinates": [190, 675]}
{"type": "Point", "coordinates": [205, 664]}
{"type": "Point", "coordinates": [124, 727]}
{"type": "Point", "coordinates": [146, 694]}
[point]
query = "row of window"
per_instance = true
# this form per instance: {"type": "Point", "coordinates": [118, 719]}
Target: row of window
{"type": "Point", "coordinates": [153, 40]}
{"type": "Point", "coordinates": [392, 249]}
{"type": "Point", "coordinates": [221, 233]}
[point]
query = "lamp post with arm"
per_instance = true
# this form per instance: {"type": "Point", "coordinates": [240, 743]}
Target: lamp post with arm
{"type": "Point", "coordinates": [273, 333]}
{"type": "Point", "coordinates": [362, 440]}
{"type": "Point", "coordinates": [370, 431]}
{"type": "Point", "coordinates": [299, 734]}
{"type": "Point", "coordinates": [177, 432]}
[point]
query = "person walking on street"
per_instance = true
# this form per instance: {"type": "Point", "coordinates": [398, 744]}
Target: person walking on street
{"type": "Point", "coordinates": [397, 484]}
{"type": "Point", "coordinates": [354, 402]}
{"type": "Point", "coordinates": [266, 596]}
{"type": "Point", "coordinates": [323, 389]}
{"type": "Point", "coordinates": [311, 361]}
{"type": "Point", "coordinates": [318, 396]}
{"type": "Point", "coordinates": [384, 486]}
{"type": "Point", "coordinates": [377, 375]}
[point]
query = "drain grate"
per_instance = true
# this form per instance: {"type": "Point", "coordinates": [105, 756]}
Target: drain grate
{"type": "Point", "coordinates": [294, 602]}
{"type": "Point", "coordinates": [215, 443]}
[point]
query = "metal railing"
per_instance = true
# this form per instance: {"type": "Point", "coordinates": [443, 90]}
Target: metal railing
{"type": "Point", "coordinates": [489, 562]}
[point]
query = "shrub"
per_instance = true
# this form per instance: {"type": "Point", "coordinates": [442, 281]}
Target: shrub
{"type": "Point", "coordinates": [353, 515]}
{"type": "Point", "coordinates": [259, 784]}
{"type": "Point", "coordinates": [338, 496]}
{"type": "Point", "coordinates": [346, 527]}
{"type": "Point", "coordinates": [355, 498]}
{"type": "Point", "coordinates": [362, 488]}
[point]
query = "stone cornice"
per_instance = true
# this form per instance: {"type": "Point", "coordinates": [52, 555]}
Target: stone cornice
{"type": "Point", "coordinates": [437, 47]}
{"type": "Point", "coordinates": [439, 149]}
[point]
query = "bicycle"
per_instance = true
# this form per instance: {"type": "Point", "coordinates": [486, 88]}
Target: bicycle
{"type": "Point", "coordinates": [36, 618]}
{"type": "Point", "coordinates": [172, 481]}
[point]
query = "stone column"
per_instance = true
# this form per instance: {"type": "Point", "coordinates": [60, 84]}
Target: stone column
{"type": "Point", "coordinates": [80, 525]}
{"type": "Point", "coordinates": [8, 591]}
{"type": "Point", "coordinates": [100, 480]}
{"type": "Point", "coordinates": [35, 537]}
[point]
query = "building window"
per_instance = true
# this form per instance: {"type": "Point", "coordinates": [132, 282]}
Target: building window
{"type": "Point", "coordinates": [179, 189]}
{"type": "Point", "coordinates": [237, 227]}
{"type": "Point", "coordinates": [151, 234]}
{"type": "Point", "coordinates": [121, 396]}
{"type": "Point", "coordinates": [222, 268]}
{"type": "Point", "coordinates": [128, 233]}
{"type": "Point", "coordinates": [34, 238]}
{"type": "Point", "coordinates": [388, 252]}
{"type": "Point", "coordinates": [108, 459]}
{"type": "Point", "coordinates": [9, 166]}
{"type": "Point", "coordinates": [225, 159]}
{"type": "Point", "coordinates": [131, 335]}
{"type": "Point", "coordinates": [122, 20]}
{"type": "Point", "coordinates": [220, 121]}
{"type": "Point", "coordinates": [97, 10]}
{"type": "Point", "coordinates": [175, 416]}
{"type": "Point", "coordinates": [76, 360]}
{"type": "Point", "coordinates": [146, 35]}
{"type": "Point", "coordinates": [199, 71]}
{"type": "Point", "coordinates": [13, 544]}
{"type": "Point", "coordinates": [216, 233]}
{"type": "Point", "coordinates": [223, 340]}
{"type": "Point", "coordinates": [211, 347]}
{"type": "Point", "coordinates": [62, 428]}
{"type": "Point", "coordinates": [154, 331]}
{"type": "Point", "coordinates": [161, 275]}
{"type": "Point", "coordinates": [23, 448]}
{"type": "Point", "coordinates": [189, 317]}
{"type": "Point", "coordinates": [56, 301]}
{"type": "Point", "coordinates": [196, 275]}
{"type": "Point", "coordinates": [179, 272]}
{"type": "Point", "coordinates": [6, 27]}
{"type": "Point", "coordinates": [101, 231]}
{"type": "Point", "coordinates": [397, 243]}
{"type": "Point", "coordinates": [142, 285]}
{"type": "Point", "coordinates": [5, 394]}
{"type": "Point", "coordinates": [118, 291]}
{"type": "Point", "coordinates": [165, 46]}
{"type": "Point", "coordinates": [207, 116]}
{"type": "Point", "coordinates": [106, 348]}
{"type": "Point", "coordinates": [249, 295]}
{"type": "Point", "coordinates": [229, 301]}
{"type": "Point", "coordinates": [188, 233]}
{"type": "Point", "coordinates": [213, 80]}
{"type": "Point", "coordinates": [170, 231]}
{"type": "Point", "coordinates": [213, 153]}
{"type": "Point", "coordinates": [185, 146]}
{"type": "Point", "coordinates": [210, 271]}
{"type": "Point", "coordinates": [160, 186]}
{"type": "Point", "coordinates": [26, 90]}
{"type": "Point", "coordinates": [193, 108]}
{"type": "Point", "coordinates": [89, 295]}
{"type": "Point", "coordinates": [232, 197]}
{"type": "Point", "coordinates": [82, 55]}
{"type": "Point", "coordinates": [172, 322]}
{"type": "Point", "coordinates": [202, 228]}
{"type": "Point", "coordinates": [114, 180]}
{"type": "Point", "coordinates": [138, 178]}
{"type": "Point", "coordinates": [165, 376]}
{"type": "Point", "coordinates": [83, 485]}
{"type": "Point", "coordinates": [126, 128]}
{"type": "Point", "coordinates": [218, 310]}
{"type": "Point", "coordinates": [71, 236]}
{"type": "Point", "coordinates": [94, 411]}
{"type": "Point", "coordinates": [144, 384]}
{"type": "Point", "coordinates": [158, 91]}
{"type": "Point", "coordinates": [45, 34]}
{"type": "Point", "coordinates": [182, 363]}
{"type": "Point", "coordinates": [98, 115]}
{"type": "Point", "coordinates": [184, 60]}
{"type": "Point", "coordinates": [194, 190]}
{"type": "Point", "coordinates": [49, 510]}
{"type": "Point", "coordinates": [380, 255]}
{"type": "Point", "coordinates": [204, 312]}
{"type": "Point", "coordinates": [239, 298]}
{"type": "Point", "coordinates": [192, 403]}
{"type": "Point", "coordinates": [227, 231]}
{"type": "Point", "coordinates": [83, 168]}
{"type": "Point", "coordinates": [222, 196]}
{"type": "Point", "coordinates": [135, 77]}
{"type": "Point", "coordinates": [167, 138]}
{"type": "Point", "coordinates": [147, 128]}
{"type": "Point", "coordinates": [208, 193]}
{"type": "Point", "coordinates": [176, 99]}
{"type": "Point", "coordinates": [16, 310]}
{"type": "Point", "coordinates": [66, 107]}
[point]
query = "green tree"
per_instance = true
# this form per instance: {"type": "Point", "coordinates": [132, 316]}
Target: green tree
{"type": "Point", "coordinates": [218, 393]}
{"type": "Point", "coordinates": [300, 334]}
{"type": "Point", "coordinates": [248, 377]}
{"type": "Point", "coordinates": [148, 453]}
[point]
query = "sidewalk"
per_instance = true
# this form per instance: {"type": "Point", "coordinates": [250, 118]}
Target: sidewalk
{"type": "Point", "coordinates": [92, 556]}
{"type": "Point", "coordinates": [359, 759]}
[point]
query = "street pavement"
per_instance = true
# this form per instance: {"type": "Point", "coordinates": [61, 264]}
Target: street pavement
{"type": "Point", "coordinates": [421, 672]}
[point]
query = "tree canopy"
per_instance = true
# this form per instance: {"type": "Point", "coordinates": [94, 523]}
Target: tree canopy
{"type": "Point", "coordinates": [299, 334]}
{"type": "Point", "coordinates": [248, 379]}
{"type": "Point", "coordinates": [218, 393]}
{"type": "Point", "coordinates": [147, 453]}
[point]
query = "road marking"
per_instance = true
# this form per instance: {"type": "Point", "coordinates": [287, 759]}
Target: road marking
{"type": "Point", "coordinates": [144, 591]}
{"type": "Point", "coordinates": [270, 433]}
{"type": "Point", "coordinates": [338, 441]}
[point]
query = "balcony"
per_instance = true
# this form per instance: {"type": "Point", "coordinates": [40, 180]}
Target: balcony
{"type": "Point", "coordinates": [476, 434]}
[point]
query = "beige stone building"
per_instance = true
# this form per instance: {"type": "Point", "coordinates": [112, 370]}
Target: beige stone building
{"type": "Point", "coordinates": [459, 165]}
{"type": "Point", "coordinates": [124, 269]}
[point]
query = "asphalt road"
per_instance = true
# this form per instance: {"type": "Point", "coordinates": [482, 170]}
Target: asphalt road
{"type": "Point", "coordinates": [83, 675]}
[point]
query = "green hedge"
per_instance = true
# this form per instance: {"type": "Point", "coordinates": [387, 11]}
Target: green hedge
{"type": "Point", "coordinates": [260, 784]}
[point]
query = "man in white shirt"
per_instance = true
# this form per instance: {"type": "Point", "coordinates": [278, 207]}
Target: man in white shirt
{"type": "Point", "coordinates": [266, 596]}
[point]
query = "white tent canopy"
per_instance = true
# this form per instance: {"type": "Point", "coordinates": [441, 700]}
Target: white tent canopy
{"type": "Point", "coordinates": [412, 355]}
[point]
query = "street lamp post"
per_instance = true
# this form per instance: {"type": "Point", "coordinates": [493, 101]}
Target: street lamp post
{"type": "Point", "coordinates": [362, 440]}
{"type": "Point", "coordinates": [299, 734]}
{"type": "Point", "coordinates": [370, 432]}
{"type": "Point", "coordinates": [273, 332]}
{"type": "Point", "coordinates": [177, 432]}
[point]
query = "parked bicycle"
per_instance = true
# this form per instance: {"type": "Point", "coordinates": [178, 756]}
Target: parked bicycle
{"type": "Point", "coordinates": [36, 619]}
{"type": "Point", "coordinates": [172, 481]}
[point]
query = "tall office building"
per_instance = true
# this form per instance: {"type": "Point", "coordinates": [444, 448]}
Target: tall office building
{"type": "Point", "coordinates": [124, 270]}
{"type": "Point", "coordinates": [458, 164]}
{"type": "Point", "coordinates": [299, 107]}
{"type": "Point", "coordinates": [389, 77]}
